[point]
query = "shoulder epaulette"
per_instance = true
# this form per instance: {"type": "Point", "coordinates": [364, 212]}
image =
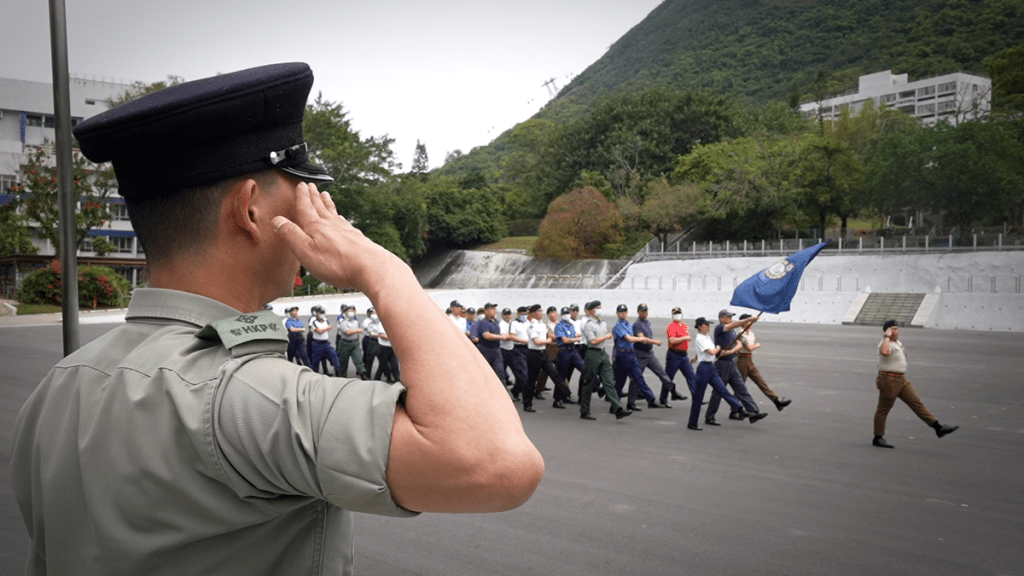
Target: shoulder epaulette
{"type": "Point", "coordinates": [264, 326]}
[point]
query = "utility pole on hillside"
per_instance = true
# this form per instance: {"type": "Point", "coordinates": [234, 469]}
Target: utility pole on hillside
{"type": "Point", "coordinates": [552, 87]}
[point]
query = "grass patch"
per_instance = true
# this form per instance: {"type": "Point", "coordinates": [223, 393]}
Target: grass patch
{"type": "Point", "coordinates": [511, 243]}
{"type": "Point", "coordinates": [25, 309]}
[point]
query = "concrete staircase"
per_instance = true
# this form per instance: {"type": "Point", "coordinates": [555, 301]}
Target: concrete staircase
{"type": "Point", "coordinates": [905, 308]}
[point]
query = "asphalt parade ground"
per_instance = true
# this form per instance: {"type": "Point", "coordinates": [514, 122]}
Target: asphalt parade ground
{"type": "Point", "coordinates": [801, 492]}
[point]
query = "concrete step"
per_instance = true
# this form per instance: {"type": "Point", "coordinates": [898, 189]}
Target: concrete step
{"type": "Point", "coordinates": [881, 306]}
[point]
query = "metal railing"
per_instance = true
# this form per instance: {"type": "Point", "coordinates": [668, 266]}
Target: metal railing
{"type": "Point", "coordinates": [984, 283]}
{"type": "Point", "coordinates": [718, 283]}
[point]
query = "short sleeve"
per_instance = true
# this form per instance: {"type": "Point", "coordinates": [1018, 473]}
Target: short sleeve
{"type": "Point", "coordinates": [285, 430]}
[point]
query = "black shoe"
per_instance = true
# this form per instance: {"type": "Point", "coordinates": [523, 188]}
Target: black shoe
{"type": "Point", "coordinates": [558, 404]}
{"type": "Point", "coordinates": [587, 417]}
{"type": "Point", "coordinates": [363, 376]}
{"type": "Point", "coordinates": [611, 409]}
{"type": "Point", "coordinates": [515, 397]}
{"type": "Point", "coordinates": [600, 392]}
{"type": "Point", "coordinates": [693, 427]}
{"type": "Point", "coordinates": [653, 405]}
{"type": "Point", "coordinates": [632, 408]}
{"type": "Point", "coordinates": [758, 416]}
{"type": "Point", "coordinates": [881, 443]}
{"type": "Point", "coordinates": [539, 396]}
{"type": "Point", "coordinates": [781, 403]}
{"type": "Point", "coordinates": [678, 397]}
{"type": "Point", "coordinates": [737, 415]}
{"type": "Point", "coordinates": [664, 404]}
{"type": "Point", "coordinates": [547, 389]}
{"type": "Point", "coordinates": [569, 401]}
{"type": "Point", "coordinates": [941, 431]}
{"type": "Point", "coordinates": [528, 409]}
{"type": "Point", "coordinates": [711, 422]}
{"type": "Point", "coordinates": [620, 413]}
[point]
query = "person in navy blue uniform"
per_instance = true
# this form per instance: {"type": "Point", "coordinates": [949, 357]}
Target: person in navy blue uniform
{"type": "Point", "coordinates": [489, 339]}
{"type": "Point", "coordinates": [567, 338]}
{"type": "Point", "coordinates": [645, 357]}
{"type": "Point", "coordinates": [519, 335]}
{"type": "Point", "coordinates": [625, 364]}
{"type": "Point", "coordinates": [320, 328]}
{"type": "Point", "coordinates": [726, 340]}
{"type": "Point", "coordinates": [296, 346]}
{"type": "Point", "coordinates": [471, 325]}
{"type": "Point", "coordinates": [706, 375]}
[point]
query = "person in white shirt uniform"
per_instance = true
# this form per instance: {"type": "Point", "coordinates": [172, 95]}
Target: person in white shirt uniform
{"type": "Point", "coordinates": [457, 318]}
{"type": "Point", "coordinates": [519, 328]}
{"type": "Point", "coordinates": [706, 374]}
{"type": "Point", "coordinates": [370, 342]}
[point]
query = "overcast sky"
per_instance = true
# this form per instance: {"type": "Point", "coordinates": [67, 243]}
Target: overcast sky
{"type": "Point", "coordinates": [454, 74]}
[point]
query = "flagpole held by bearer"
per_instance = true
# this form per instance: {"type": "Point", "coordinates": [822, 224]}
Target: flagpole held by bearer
{"type": "Point", "coordinates": [772, 289]}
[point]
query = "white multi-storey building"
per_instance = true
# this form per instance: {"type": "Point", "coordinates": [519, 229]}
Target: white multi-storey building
{"type": "Point", "coordinates": [951, 97]}
{"type": "Point", "coordinates": [26, 121]}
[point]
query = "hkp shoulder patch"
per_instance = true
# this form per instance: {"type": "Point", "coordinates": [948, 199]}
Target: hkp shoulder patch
{"type": "Point", "coordinates": [263, 325]}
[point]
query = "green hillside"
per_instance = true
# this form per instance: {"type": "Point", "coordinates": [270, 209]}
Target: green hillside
{"type": "Point", "coordinates": [756, 49]}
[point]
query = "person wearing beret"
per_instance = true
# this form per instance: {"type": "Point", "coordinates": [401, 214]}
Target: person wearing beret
{"type": "Point", "coordinates": [184, 441]}
{"type": "Point", "coordinates": [597, 365]}
{"type": "Point", "coordinates": [647, 360]}
{"type": "Point", "coordinates": [892, 383]}
{"type": "Point", "coordinates": [626, 365]}
{"type": "Point", "coordinates": [747, 368]}
{"type": "Point", "coordinates": [296, 330]}
{"type": "Point", "coordinates": [706, 375]}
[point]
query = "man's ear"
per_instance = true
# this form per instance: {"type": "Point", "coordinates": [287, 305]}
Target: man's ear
{"type": "Point", "coordinates": [241, 210]}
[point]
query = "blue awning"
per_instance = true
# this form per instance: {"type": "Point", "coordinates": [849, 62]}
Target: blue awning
{"type": "Point", "coordinates": [113, 233]}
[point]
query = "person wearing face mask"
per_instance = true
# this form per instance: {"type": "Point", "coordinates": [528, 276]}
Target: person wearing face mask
{"type": "Point", "coordinates": [647, 360]}
{"type": "Point", "coordinates": [676, 359]}
{"type": "Point", "coordinates": [519, 335]}
{"type": "Point", "coordinates": [597, 364]}
{"type": "Point", "coordinates": [371, 344]}
{"type": "Point", "coordinates": [322, 341]}
{"type": "Point", "coordinates": [386, 358]}
{"type": "Point", "coordinates": [581, 347]}
{"type": "Point", "coordinates": [322, 365]}
{"type": "Point", "coordinates": [347, 342]}
{"type": "Point", "coordinates": [706, 375]}
{"type": "Point", "coordinates": [566, 337]}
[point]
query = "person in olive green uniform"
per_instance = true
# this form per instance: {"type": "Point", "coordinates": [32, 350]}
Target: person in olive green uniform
{"type": "Point", "coordinates": [347, 342]}
{"type": "Point", "coordinates": [184, 441]}
{"type": "Point", "coordinates": [597, 363]}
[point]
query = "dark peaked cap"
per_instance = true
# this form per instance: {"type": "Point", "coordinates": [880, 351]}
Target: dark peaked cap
{"type": "Point", "coordinates": [201, 132]}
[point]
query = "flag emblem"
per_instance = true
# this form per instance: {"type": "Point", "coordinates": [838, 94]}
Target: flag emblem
{"type": "Point", "coordinates": [779, 269]}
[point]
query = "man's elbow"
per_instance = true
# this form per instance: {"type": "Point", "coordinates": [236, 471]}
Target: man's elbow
{"type": "Point", "coordinates": [511, 479]}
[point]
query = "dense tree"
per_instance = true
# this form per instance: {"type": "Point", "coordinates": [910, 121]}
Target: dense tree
{"type": "Point", "coordinates": [830, 176]}
{"type": "Point", "coordinates": [580, 224]}
{"type": "Point", "coordinates": [15, 235]}
{"type": "Point", "coordinates": [36, 193]}
{"type": "Point", "coordinates": [420, 161]}
{"type": "Point", "coordinates": [1008, 85]}
{"type": "Point", "coordinates": [140, 89]}
{"type": "Point", "coordinates": [663, 208]}
{"type": "Point", "coordinates": [461, 212]}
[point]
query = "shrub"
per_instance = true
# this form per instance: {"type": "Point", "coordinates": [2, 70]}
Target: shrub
{"type": "Point", "coordinates": [98, 286]}
{"type": "Point", "coordinates": [580, 224]}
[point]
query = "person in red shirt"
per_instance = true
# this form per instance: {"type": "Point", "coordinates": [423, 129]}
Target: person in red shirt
{"type": "Point", "coordinates": [678, 344]}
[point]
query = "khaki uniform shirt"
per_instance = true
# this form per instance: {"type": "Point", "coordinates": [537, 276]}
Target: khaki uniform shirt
{"type": "Point", "coordinates": [164, 447]}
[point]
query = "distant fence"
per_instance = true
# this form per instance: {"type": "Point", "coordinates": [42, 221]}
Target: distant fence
{"type": "Point", "coordinates": [560, 281]}
{"type": "Point", "coordinates": [870, 245]}
{"type": "Point", "coordinates": [728, 283]}
{"type": "Point", "coordinates": [985, 283]}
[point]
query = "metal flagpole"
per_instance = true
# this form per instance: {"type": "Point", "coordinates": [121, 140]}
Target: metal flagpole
{"type": "Point", "coordinates": [65, 185]}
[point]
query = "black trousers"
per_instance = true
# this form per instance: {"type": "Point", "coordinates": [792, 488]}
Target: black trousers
{"type": "Point", "coordinates": [536, 361]}
{"type": "Point", "coordinates": [388, 364]}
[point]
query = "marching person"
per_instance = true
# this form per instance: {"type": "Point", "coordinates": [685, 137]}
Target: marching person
{"type": "Point", "coordinates": [538, 360]}
{"type": "Point", "coordinates": [729, 345]}
{"type": "Point", "coordinates": [597, 364]}
{"type": "Point", "coordinates": [519, 334]}
{"type": "Point", "coordinates": [551, 349]}
{"type": "Point", "coordinates": [626, 365]}
{"type": "Point", "coordinates": [892, 383]}
{"type": "Point", "coordinates": [507, 346]}
{"type": "Point", "coordinates": [707, 375]}
{"type": "Point", "coordinates": [676, 358]}
{"type": "Point", "coordinates": [567, 338]}
{"type": "Point", "coordinates": [577, 322]}
{"type": "Point", "coordinates": [457, 317]}
{"type": "Point", "coordinates": [296, 343]}
{"type": "Point", "coordinates": [489, 339]}
{"type": "Point", "coordinates": [645, 355]}
{"type": "Point", "coordinates": [471, 325]}
{"type": "Point", "coordinates": [745, 364]}
{"type": "Point", "coordinates": [386, 359]}
{"type": "Point", "coordinates": [183, 441]}
{"type": "Point", "coordinates": [322, 348]}
{"type": "Point", "coordinates": [322, 367]}
{"type": "Point", "coordinates": [347, 343]}
{"type": "Point", "coordinates": [371, 344]}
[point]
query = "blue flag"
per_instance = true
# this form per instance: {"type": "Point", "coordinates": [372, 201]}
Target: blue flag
{"type": "Point", "coordinates": [772, 289]}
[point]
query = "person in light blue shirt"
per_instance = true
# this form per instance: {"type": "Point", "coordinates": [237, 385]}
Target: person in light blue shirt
{"type": "Point", "coordinates": [625, 365]}
{"type": "Point", "coordinates": [567, 338]}
{"type": "Point", "coordinates": [296, 343]}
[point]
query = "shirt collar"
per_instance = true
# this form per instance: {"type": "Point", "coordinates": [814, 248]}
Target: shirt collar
{"type": "Point", "coordinates": [176, 305]}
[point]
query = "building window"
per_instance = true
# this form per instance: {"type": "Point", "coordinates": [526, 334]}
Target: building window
{"type": "Point", "coordinates": [119, 212]}
{"type": "Point", "coordinates": [48, 122]}
{"type": "Point", "coordinates": [6, 181]}
{"type": "Point", "coordinates": [947, 87]}
{"type": "Point", "coordinates": [926, 91]}
{"type": "Point", "coordinates": [33, 120]}
{"type": "Point", "coordinates": [888, 98]}
{"type": "Point", "coordinates": [946, 106]}
{"type": "Point", "coordinates": [907, 94]}
{"type": "Point", "coordinates": [907, 109]}
{"type": "Point", "coordinates": [86, 245]}
{"type": "Point", "coordinates": [926, 109]}
{"type": "Point", "coordinates": [122, 245]}
{"type": "Point", "coordinates": [90, 102]}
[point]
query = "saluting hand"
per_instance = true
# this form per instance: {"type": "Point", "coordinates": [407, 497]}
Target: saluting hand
{"type": "Point", "coordinates": [329, 247]}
